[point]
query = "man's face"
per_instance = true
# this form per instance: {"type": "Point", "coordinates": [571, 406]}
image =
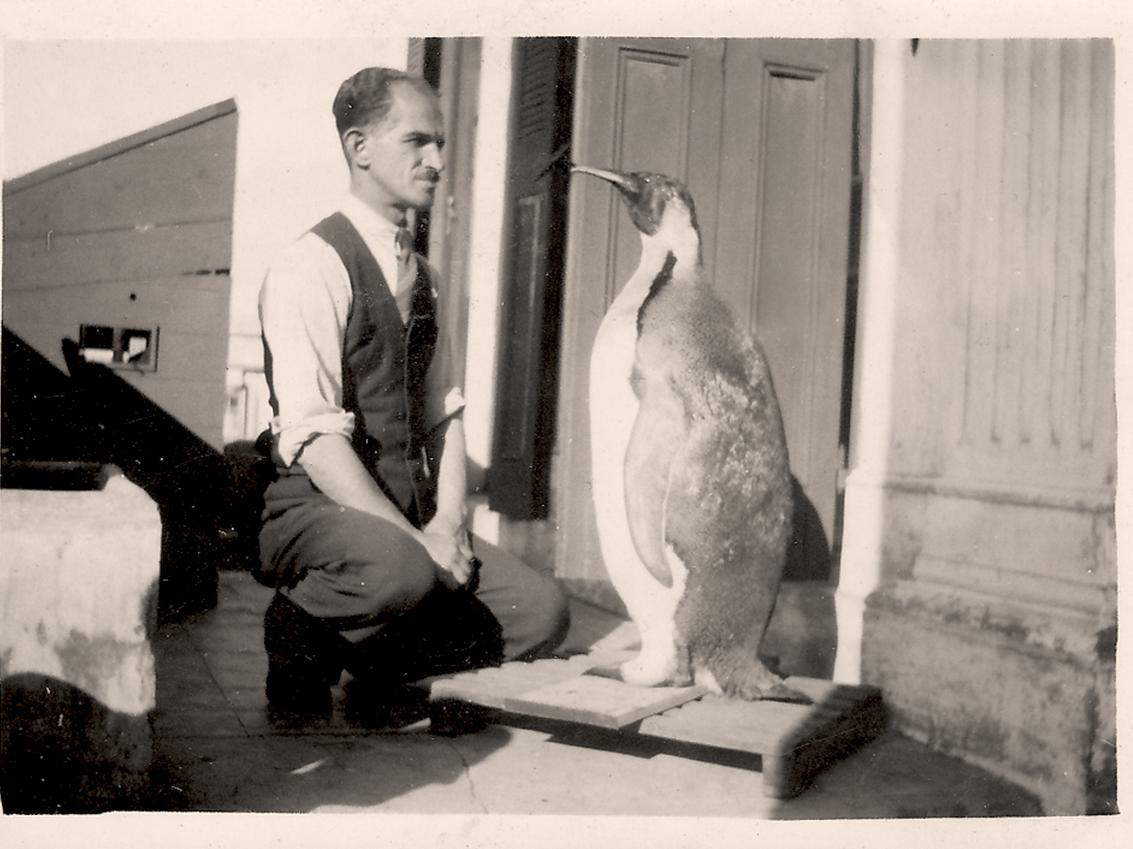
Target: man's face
{"type": "Point", "coordinates": [403, 151]}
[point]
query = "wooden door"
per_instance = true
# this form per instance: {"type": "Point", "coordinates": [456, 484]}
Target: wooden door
{"type": "Point", "coordinates": [782, 251]}
{"type": "Point", "coordinates": [761, 133]}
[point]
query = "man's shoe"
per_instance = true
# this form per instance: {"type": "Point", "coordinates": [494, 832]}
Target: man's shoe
{"type": "Point", "coordinates": [447, 631]}
{"type": "Point", "coordinates": [453, 718]}
{"type": "Point", "coordinates": [383, 704]}
{"type": "Point", "coordinates": [305, 659]}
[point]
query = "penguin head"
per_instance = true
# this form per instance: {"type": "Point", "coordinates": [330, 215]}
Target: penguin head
{"type": "Point", "coordinates": [652, 199]}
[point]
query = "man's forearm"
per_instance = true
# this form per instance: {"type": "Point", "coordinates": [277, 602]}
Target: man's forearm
{"type": "Point", "coordinates": [336, 470]}
{"type": "Point", "coordinates": [451, 476]}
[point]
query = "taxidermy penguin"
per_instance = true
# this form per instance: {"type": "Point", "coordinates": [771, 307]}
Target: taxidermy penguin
{"type": "Point", "coordinates": [691, 484]}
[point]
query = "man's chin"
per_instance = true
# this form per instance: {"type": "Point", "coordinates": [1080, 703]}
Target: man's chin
{"type": "Point", "coordinates": [423, 199]}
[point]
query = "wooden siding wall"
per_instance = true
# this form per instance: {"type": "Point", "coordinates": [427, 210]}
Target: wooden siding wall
{"type": "Point", "coordinates": [1007, 245]}
{"type": "Point", "coordinates": [1002, 451]}
{"type": "Point", "coordinates": [986, 487]}
{"type": "Point", "coordinates": [136, 234]}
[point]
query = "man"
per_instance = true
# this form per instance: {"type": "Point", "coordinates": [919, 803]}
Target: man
{"type": "Point", "coordinates": [364, 529]}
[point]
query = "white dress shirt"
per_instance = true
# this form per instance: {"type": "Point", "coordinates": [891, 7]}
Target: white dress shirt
{"type": "Point", "coordinates": [304, 304]}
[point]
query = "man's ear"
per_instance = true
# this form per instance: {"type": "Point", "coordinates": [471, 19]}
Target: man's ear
{"type": "Point", "coordinates": [355, 143]}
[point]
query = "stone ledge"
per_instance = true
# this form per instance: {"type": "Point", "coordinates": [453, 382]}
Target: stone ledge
{"type": "Point", "coordinates": [1021, 690]}
{"type": "Point", "coordinates": [1023, 625]}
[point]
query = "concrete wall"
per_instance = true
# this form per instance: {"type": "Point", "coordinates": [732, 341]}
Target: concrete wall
{"type": "Point", "coordinates": [78, 605]}
{"type": "Point", "coordinates": [979, 506]}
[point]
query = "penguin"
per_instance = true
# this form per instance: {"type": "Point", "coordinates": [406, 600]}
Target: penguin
{"type": "Point", "coordinates": [690, 474]}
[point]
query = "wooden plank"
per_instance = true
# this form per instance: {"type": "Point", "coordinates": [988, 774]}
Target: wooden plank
{"type": "Point", "coordinates": [755, 727]}
{"type": "Point", "coordinates": [595, 700]}
{"type": "Point", "coordinates": [758, 727]}
{"type": "Point", "coordinates": [119, 146]}
{"type": "Point", "coordinates": [67, 260]}
{"type": "Point", "coordinates": [493, 686]}
{"type": "Point", "coordinates": [197, 304]}
{"type": "Point", "coordinates": [187, 176]}
{"type": "Point", "coordinates": [796, 742]}
{"type": "Point", "coordinates": [185, 357]}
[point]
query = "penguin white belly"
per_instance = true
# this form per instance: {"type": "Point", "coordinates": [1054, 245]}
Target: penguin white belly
{"type": "Point", "coordinates": [613, 411]}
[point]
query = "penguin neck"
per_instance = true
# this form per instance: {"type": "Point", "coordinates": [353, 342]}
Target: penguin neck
{"type": "Point", "coordinates": [683, 245]}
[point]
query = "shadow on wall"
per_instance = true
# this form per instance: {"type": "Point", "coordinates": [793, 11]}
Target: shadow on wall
{"type": "Point", "coordinates": [808, 558]}
{"type": "Point", "coordinates": [94, 415]}
{"type": "Point", "coordinates": [802, 637]}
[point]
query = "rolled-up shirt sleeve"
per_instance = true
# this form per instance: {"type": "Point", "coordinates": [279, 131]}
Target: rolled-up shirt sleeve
{"type": "Point", "coordinates": [304, 304]}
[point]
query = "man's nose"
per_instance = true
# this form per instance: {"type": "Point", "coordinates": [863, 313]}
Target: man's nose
{"type": "Point", "coordinates": [433, 158]}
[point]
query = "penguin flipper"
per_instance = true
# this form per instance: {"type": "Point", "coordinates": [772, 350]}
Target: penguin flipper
{"type": "Point", "coordinates": [659, 432]}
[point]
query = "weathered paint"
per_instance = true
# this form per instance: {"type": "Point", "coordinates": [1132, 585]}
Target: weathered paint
{"type": "Point", "coordinates": [979, 506]}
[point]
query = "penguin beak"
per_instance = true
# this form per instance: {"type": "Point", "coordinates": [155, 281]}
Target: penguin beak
{"type": "Point", "coordinates": [618, 179]}
{"type": "Point", "coordinates": [635, 192]}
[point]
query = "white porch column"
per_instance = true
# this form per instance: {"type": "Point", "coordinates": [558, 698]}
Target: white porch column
{"type": "Point", "coordinates": [486, 253]}
{"type": "Point", "coordinates": [876, 352]}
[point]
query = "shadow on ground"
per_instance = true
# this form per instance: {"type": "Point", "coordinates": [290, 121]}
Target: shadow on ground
{"type": "Point", "coordinates": [64, 752]}
{"type": "Point", "coordinates": [218, 748]}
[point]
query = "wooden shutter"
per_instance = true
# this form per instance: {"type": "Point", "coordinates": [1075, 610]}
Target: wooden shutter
{"type": "Point", "coordinates": [519, 477]}
{"type": "Point", "coordinates": [415, 61]}
{"type": "Point", "coordinates": [423, 60]}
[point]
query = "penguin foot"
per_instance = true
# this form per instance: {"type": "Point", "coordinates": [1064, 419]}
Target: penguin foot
{"type": "Point", "coordinates": [782, 693]}
{"type": "Point", "coordinates": [651, 671]}
{"type": "Point", "coordinates": [705, 678]}
{"type": "Point", "coordinates": [760, 683]}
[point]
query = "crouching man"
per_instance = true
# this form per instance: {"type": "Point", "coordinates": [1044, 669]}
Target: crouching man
{"type": "Point", "coordinates": [364, 532]}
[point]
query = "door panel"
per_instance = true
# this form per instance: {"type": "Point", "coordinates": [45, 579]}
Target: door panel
{"type": "Point", "coordinates": [783, 249]}
{"type": "Point", "coordinates": [641, 104]}
{"type": "Point", "coordinates": [761, 133]}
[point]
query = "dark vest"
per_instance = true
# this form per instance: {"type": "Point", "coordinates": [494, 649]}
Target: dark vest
{"type": "Point", "coordinates": [384, 366]}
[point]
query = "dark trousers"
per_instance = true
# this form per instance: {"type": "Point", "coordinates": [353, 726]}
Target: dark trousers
{"type": "Point", "coordinates": [366, 579]}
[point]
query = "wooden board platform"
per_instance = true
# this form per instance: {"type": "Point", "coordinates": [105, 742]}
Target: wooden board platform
{"type": "Point", "coordinates": [600, 701]}
{"type": "Point", "coordinates": [795, 742]}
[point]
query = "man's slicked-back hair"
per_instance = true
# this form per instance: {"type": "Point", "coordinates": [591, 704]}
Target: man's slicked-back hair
{"type": "Point", "coordinates": [366, 97]}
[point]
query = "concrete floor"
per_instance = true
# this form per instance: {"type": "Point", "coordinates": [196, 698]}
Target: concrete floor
{"type": "Point", "coordinates": [218, 750]}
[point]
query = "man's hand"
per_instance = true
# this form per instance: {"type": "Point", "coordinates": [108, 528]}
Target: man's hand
{"type": "Point", "coordinates": [335, 468]}
{"type": "Point", "coordinates": [450, 546]}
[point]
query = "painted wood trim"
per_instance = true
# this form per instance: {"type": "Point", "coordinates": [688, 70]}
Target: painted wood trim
{"type": "Point", "coordinates": [119, 146]}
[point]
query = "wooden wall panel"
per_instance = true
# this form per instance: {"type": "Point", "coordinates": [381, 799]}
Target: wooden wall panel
{"type": "Point", "coordinates": [135, 234]}
{"type": "Point", "coordinates": [761, 132]}
{"type": "Point", "coordinates": [183, 177]}
{"type": "Point", "coordinates": [1009, 242]}
{"type": "Point", "coordinates": [783, 250]}
{"type": "Point", "coordinates": [672, 123]}
{"type": "Point", "coordinates": [786, 288]}
{"type": "Point", "coordinates": [67, 260]}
